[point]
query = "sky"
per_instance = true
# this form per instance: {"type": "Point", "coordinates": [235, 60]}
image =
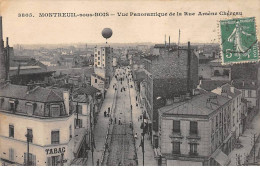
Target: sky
{"type": "Point", "coordinates": [127, 29]}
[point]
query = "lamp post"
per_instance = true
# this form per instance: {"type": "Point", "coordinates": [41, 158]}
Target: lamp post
{"type": "Point", "coordinates": [29, 138]}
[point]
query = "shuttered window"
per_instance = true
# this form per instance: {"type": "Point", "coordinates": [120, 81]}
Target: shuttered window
{"type": "Point", "coordinates": [55, 137]}
{"type": "Point", "coordinates": [11, 130]}
{"type": "Point", "coordinates": [11, 154]}
{"type": "Point", "coordinates": [32, 159]}
{"type": "Point", "coordinates": [55, 110]}
{"type": "Point", "coordinates": [176, 126]}
{"type": "Point", "coordinates": [176, 147]}
{"type": "Point", "coordinates": [193, 128]}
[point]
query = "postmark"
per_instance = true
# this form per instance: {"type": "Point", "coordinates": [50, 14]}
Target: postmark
{"type": "Point", "coordinates": [239, 40]}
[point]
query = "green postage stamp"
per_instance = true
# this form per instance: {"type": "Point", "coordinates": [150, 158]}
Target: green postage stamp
{"type": "Point", "coordinates": [239, 40]}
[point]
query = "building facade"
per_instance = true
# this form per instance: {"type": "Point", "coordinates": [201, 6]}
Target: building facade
{"type": "Point", "coordinates": [37, 127]}
{"type": "Point", "coordinates": [198, 131]}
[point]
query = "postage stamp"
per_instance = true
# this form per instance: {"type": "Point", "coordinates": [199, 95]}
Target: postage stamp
{"type": "Point", "coordinates": [239, 40]}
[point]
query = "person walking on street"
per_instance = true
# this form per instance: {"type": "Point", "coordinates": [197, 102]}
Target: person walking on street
{"type": "Point", "coordinates": [111, 121]}
{"type": "Point", "coordinates": [115, 120]}
{"type": "Point", "coordinates": [108, 110]}
{"type": "Point", "coordinates": [131, 107]}
{"type": "Point", "coordinates": [98, 162]}
{"type": "Point", "coordinates": [105, 113]}
{"type": "Point", "coordinates": [136, 98]}
{"type": "Point", "coordinates": [136, 136]}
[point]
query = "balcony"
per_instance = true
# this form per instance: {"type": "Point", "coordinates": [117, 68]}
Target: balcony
{"type": "Point", "coordinates": [193, 136]}
{"type": "Point", "coordinates": [176, 135]}
{"type": "Point", "coordinates": [193, 153]}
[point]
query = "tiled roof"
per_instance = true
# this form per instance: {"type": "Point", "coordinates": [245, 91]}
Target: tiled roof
{"type": "Point", "coordinates": [89, 90]}
{"type": "Point", "coordinates": [227, 87]}
{"type": "Point", "coordinates": [210, 85]}
{"type": "Point", "coordinates": [245, 84]}
{"type": "Point", "coordinates": [28, 70]}
{"type": "Point", "coordinates": [38, 94]}
{"type": "Point", "coordinates": [198, 105]}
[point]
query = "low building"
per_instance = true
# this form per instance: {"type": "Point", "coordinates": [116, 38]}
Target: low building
{"type": "Point", "coordinates": [196, 131]}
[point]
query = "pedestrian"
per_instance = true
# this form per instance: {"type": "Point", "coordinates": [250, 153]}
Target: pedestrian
{"type": "Point", "coordinates": [130, 124]}
{"type": "Point", "coordinates": [138, 118]}
{"type": "Point", "coordinates": [105, 113]}
{"type": "Point", "coordinates": [108, 110]}
{"type": "Point", "coordinates": [136, 104]}
{"type": "Point", "coordinates": [119, 121]}
{"type": "Point", "coordinates": [136, 98]}
{"type": "Point", "coordinates": [111, 121]}
{"type": "Point", "coordinates": [98, 162]}
{"type": "Point", "coordinates": [115, 120]}
{"type": "Point", "coordinates": [131, 107]}
{"type": "Point", "coordinates": [136, 136]}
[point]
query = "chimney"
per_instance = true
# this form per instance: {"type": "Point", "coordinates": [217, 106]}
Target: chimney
{"type": "Point", "coordinates": [169, 41]}
{"type": "Point", "coordinates": [243, 83]}
{"type": "Point", "coordinates": [253, 83]}
{"type": "Point", "coordinates": [1, 29]}
{"type": "Point", "coordinates": [7, 61]}
{"type": "Point", "coordinates": [2, 55]}
{"type": "Point", "coordinates": [188, 67]}
{"type": "Point", "coordinates": [232, 89]}
{"type": "Point", "coordinates": [66, 97]}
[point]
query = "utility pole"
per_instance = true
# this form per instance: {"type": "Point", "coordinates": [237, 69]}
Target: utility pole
{"type": "Point", "coordinates": [143, 139]}
{"type": "Point", "coordinates": [29, 137]}
{"type": "Point", "coordinates": [77, 111]}
{"type": "Point", "coordinates": [254, 147]}
{"type": "Point", "coordinates": [91, 139]}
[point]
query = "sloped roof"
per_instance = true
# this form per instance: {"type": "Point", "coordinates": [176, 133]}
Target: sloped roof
{"type": "Point", "coordinates": [210, 85]}
{"type": "Point", "coordinates": [88, 89]}
{"type": "Point", "coordinates": [38, 94]}
{"type": "Point", "coordinates": [198, 105]}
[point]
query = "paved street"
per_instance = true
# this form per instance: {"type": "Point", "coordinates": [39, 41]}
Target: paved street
{"type": "Point", "coordinates": [121, 149]}
{"type": "Point", "coordinates": [246, 141]}
{"type": "Point", "coordinates": [148, 150]}
{"type": "Point", "coordinates": [101, 126]}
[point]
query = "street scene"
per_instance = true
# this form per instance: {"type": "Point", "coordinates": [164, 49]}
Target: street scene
{"type": "Point", "coordinates": [144, 89]}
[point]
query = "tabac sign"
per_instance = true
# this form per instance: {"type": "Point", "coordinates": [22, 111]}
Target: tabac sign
{"type": "Point", "coordinates": [59, 150]}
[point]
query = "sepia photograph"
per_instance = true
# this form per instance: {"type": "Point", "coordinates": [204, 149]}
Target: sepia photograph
{"type": "Point", "coordinates": [129, 83]}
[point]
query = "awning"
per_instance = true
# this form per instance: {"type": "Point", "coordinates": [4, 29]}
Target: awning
{"type": "Point", "coordinates": [221, 157]}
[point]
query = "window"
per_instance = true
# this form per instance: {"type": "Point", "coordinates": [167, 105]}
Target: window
{"type": "Point", "coordinates": [55, 137]}
{"type": "Point", "coordinates": [55, 110]}
{"type": "Point", "coordinates": [29, 108]}
{"type": "Point", "coordinates": [98, 52]}
{"type": "Point", "coordinates": [98, 58]}
{"type": "Point", "coordinates": [78, 123]}
{"type": "Point", "coordinates": [95, 80]}
{"type": "Point", "coordinates": [32, 159]}
{"type": "Point", "coordinates": [176, 147]}
{"type": "Point", "coordinates": [249, 93]}
{"type": "Point", "coordinates": [103, 49]}
{"type": "Point", "coordinates": [193, 128]}
{"type": "Point", "coordinates": [98, 63]}
{"type": "Point", "coordinates": [30, 133]}
{"type": "Point", "coordinates": [176, 126]}
{"type": "Point", "coordinates": [11, 105]}
{"type": "Point", "coordinates": [95, 55]}
{"type": "Point", "coordinates": [193, 149]}
{"type": "Point", "coordinates": [2, 100]}
{"type": "Point", "coordinates": [70, 129]}
{"type": "Point", "coordinates": [216, 121]}
{"type": "Point", "coordinates": [11, 154]}
{"type": "Point", "coordinates": [11, 130]}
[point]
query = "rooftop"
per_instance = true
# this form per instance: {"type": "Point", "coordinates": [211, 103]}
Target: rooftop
{"type": "Point", "coordinates": [245, 84]}
{"type": "Point", "coordinates": [37, 94]}
{"type": "Point", "coordinates": [200, 105]}
{"type": "Point", "coordinates": [210, 85]}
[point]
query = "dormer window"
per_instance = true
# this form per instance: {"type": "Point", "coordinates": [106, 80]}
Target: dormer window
{"type": "Point", "coordinates": [55, 110]}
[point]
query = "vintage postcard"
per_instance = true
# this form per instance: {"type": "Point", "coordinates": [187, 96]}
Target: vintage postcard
{"type": "Point", "coordinates": [129, 83]}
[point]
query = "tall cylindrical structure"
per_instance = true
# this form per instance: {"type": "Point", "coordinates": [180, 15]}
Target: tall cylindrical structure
{"type": "Point", "coordinates": [2, 57]}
